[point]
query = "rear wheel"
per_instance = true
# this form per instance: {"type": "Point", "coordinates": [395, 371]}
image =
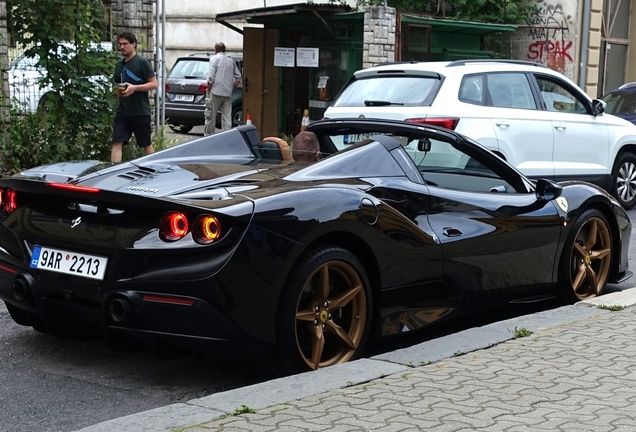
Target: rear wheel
{"type": "Point", "coordinates": [237, 115]}
{"type": "Point", "coordinates": [179, 128]}
{"type": "Point", "coordinates": [587, 258]}
{"type": "Point", "coordinates": [624, 176]}
{"type": "Point", "coordinates": [324, 314]}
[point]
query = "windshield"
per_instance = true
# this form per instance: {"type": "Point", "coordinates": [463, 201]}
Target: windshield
{"type": "Point", "coordinates": [620, 103]}
{"type": "Point", "coordinates": [190, 69]}
{"type": "Point", "coordinates": [388, 90]}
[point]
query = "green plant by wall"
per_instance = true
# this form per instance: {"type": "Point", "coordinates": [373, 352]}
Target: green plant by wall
{"type": "Point", "coordinates": [75, 120]}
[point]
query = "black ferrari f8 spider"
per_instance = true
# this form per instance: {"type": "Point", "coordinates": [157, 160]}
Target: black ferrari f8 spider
{"type": "Point", "coordinates": [225, 245]}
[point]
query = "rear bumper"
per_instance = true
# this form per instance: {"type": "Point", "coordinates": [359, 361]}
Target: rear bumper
{"type": "Point", "coordinates": [191, 115]}
{"type": "Point", "coordinates": [133, 311]}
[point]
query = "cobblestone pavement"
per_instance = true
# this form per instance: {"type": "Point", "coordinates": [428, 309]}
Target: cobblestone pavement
{"type": "Point", "coordinates": [579, 376]}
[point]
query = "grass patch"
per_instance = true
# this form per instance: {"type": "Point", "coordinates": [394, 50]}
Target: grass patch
{"type": "Point", "coordinates": [520, 332]}
{"type": "Point", "coordinates": [612, 307]}
{"type": "Point", "coordinates": [244, 409]}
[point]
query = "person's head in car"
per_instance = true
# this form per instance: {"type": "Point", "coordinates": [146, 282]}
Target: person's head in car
{"type": "Point", "coordinates": [305, 147]}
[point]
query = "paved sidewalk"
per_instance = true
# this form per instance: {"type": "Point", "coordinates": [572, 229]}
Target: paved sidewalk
{"type": "Point", "coordinates": [575, 372]}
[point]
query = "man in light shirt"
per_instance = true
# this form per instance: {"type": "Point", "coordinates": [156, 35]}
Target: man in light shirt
{"type": "Point", "coordinates": [223, 77]}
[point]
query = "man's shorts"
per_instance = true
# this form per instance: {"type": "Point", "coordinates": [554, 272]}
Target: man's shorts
{"type": "Point", "coordinates": [125, 126]}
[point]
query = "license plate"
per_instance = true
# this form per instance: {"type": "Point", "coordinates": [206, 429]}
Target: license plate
{"type": "Point", "coordinates": [183, 98]}
{"type": "Point", "coordinates": [356, 138]}
{"type": "Point", "coordinates": [71, 263]}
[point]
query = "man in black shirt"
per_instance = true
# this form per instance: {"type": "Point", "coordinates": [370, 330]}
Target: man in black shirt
{"type": "Point", "coordinates": [135, 76]}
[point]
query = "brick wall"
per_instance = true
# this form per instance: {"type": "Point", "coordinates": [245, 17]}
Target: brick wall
{"type": "Point", "coordinates": [379, 35]}
{"type": "Point", "coordinates": [4, 86]}
{"type": "Point", "coordinates": [136, 16]}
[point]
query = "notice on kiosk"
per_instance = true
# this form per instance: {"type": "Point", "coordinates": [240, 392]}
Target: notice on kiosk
{"type": "Point", "coordinates": [307, 57]}
{"type": "Point", "coordinates": [284, 57]}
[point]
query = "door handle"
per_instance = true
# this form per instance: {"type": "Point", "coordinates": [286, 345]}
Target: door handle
{"type": "Point", "coordinates": [451, 232]}
{"type": "Point", "coordinates": [502, 124]}
{"type": "Point", "coordinates": [559, 126]}
{"type": "Point", "coordinates": [265, 92]}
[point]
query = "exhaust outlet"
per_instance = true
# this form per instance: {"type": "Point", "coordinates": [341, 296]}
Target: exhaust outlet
{"type": "Point", "coordinates": [20, 289]}
{"type": "Point", "coordinates": [121, 311]}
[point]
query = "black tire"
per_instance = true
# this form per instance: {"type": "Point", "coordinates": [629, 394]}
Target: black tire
{"type": "Point", "coordinates": [237, 115]}
{"type": "Point", "coordinates": [318, 328]}
{"type": "Point", "coordinates": [624, 180]}
{"type": "Point", "coordinates": [44, 102]}
{"type": "Point", "coordinates": [178, 128]}
{"type": "Point", "coordinates": [586, 259]}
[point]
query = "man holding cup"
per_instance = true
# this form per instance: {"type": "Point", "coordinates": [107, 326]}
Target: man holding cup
{"type": "Point", "coordinates": [135, 77]}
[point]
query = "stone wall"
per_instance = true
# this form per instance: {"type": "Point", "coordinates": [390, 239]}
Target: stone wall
{"type": "Point", "coordinates": [136, 16]}
{"type": "Point", "coordinates": [4, 88]}
{"type": "Point", "coordinates": [379, 35]}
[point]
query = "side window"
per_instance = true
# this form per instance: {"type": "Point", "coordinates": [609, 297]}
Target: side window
{"type": "Point", "coordinates": [558, 98]}
{"type": "Point", "coordinates": [443, 165]}
{"type": "Point", "coordinates": [472, 89]}
{"type": "Point", "coordinates": [510, 90]}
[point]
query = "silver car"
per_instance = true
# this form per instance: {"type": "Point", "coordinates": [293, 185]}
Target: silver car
{"type": "Point", "coordinates": [185, 93]}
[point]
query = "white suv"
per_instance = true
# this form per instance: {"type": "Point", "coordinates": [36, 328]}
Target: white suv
{"type": "Point", "coordinates": [533, 117]}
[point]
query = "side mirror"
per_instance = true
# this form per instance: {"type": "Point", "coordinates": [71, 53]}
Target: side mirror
{"type": "Point", "coordinates": [547, 190]}
{"type": "Point", "coordinates": [598, 106]}
{"type": "Point", "coordinates": [424, 145]}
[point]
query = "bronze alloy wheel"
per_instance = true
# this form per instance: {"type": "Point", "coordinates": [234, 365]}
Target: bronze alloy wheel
{"type": "Point", "coordinates": [331, 315]}
{"type": "Point", "coordinates": [590, 258]}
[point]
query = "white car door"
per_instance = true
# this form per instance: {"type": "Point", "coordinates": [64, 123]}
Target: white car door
{"type": "Point", "coordinates": [524, 132]}
{"type": "Point", "coordinates": [581, 139]}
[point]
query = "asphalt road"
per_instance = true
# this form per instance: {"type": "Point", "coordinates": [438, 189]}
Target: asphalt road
{"type": "Point", "coordinates": [50, 384]}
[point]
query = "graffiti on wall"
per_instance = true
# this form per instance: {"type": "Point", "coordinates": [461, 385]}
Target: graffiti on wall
{"type": "Point", "coordinates": [551, 41]}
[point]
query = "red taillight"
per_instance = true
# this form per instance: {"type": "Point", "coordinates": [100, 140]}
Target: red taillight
{"type": "Point", "coordinates": [72, 187]}
{"type": "Point", "coordinates": [172, 300]}
{"type": "Point", "coordinates": [207, 229]}
{"type": "Point", "coordinates": [445, 122]}
{"type": "Point", "coordinates": [173, 226]}
{"type": "Point", "coordinates": [203, 88]}
{"type": "Point", "coordinates": [8, 201]}
{"type": "Point", "coordinates": [167, 87]}
{"type": "Point", "coordinates": [1, 198]}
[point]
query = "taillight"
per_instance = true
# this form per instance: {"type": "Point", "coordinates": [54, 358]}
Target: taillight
{"type": "Point", "coordinates": [167, 87]}
{"type": "Point", "coordinates": [445, 122]}
{"type": "Point", "coordinates": [207, 229]}
{"type": "Point", "coordinates": [173, 226]}
{"type": "Point", "coordinates": [8, 201]}
{"type": "Point", "coordinates": [72, 187]}
{"type": "Point", "coordinates": [203, 88]}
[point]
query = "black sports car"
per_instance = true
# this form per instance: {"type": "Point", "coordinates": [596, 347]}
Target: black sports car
{"type": "Point", "coordinates": [224, 245]}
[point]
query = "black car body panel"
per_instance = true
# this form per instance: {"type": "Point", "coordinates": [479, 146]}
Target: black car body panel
{"type": "Point", "coordinates": [431, 248]}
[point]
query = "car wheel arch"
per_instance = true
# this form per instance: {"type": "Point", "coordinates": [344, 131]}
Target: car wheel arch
{"type": "Point", "coordinates": [606, 211]}
{"type": "Point", "coordinates": [358, 247]}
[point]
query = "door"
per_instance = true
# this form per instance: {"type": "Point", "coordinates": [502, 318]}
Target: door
{"type": "Point", "coordinates": [260, 80]}
{"type": "Point", "coordinates": [496, 236]}
{"type": "Point", "coordinates": [524, 133]}
{"type": "Point", "coordinates": [581, 139]}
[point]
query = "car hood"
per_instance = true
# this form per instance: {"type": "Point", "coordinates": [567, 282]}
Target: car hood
{"type": "Point", "coordinates": [186, 180]}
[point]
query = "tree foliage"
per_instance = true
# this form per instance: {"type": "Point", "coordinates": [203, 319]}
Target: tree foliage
{"type": "Point", "coordinates": [75, 119]}
{"type": "Point", "coordinates": [491, 11]}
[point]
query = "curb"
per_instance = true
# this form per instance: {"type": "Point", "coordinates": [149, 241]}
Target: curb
{"type": "Point", "coordinates": [262, 395]}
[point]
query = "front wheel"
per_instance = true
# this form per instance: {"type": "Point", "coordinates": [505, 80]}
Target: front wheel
{"type": "Point", "coordinates": [587, 258]}
{"type": "Point", "coordinates": [325, 313]}
{"type": "Point", "coordinates": [624, 177]}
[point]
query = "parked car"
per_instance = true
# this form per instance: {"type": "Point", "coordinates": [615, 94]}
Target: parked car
{"type": "Point", "coordinates": [185, 93]}
{"type": "Point", "coordinates": [25, 75]}
{"type": "Point", "coordinates": [224, 245]}
{"type": "Point", "coordinates": [621, 102]}
{"type": "Point", "coordinates": [533, 117]}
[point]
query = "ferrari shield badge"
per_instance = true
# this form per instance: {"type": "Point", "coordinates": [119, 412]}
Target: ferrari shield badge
{"type": "Point", "coordinates": [563, 203]}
